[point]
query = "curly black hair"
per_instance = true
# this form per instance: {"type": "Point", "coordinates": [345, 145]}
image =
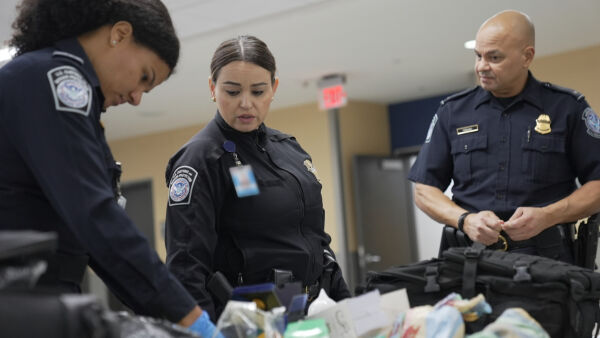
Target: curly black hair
{"type": "Point", "coordinates": [40, 23]}
{"type": "Point", "coordinates": [246, 48]}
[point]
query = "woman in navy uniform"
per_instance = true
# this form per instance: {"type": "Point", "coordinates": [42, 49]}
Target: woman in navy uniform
{"type": "Point", "coordinates": [513, 147]}
{"type": "Point", "coordinates": [74, 60]}
{"type": "Point", "coordinates": [245, 199]}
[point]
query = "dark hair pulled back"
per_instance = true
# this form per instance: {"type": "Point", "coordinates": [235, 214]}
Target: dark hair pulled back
{"type": "Point", "coordinates": [245, 48]}
{"type": "Point", "coordinates": [40, 23]}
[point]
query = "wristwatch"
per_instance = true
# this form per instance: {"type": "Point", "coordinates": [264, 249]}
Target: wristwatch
{"type": "Point", "coordinates": [461, 220]}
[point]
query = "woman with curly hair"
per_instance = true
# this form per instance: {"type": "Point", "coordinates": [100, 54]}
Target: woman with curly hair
{"type": "Point", "coordinates": [75, 59]}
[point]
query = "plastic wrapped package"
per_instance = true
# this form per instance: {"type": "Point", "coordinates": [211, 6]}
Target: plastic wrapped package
{"type": "Point", "coordinates": [132, 326]}
{"type": "Point", "coordinates": [513, 323]}
{"type": "Point", "coordinates": [312, 328]}
{"type": "Point", "coordinates": [244, 319]}
{"type": "Point", "coordinates": [444, 320]}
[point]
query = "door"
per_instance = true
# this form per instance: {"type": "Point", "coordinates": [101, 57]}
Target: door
{"type": "Point", "coordinates": [384, 213]}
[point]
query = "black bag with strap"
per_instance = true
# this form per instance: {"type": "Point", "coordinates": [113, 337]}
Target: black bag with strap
{"type": "Point", "coordinates": [563, 298]}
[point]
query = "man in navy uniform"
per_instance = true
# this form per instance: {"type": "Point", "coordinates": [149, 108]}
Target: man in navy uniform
{"type": "Point", "coordinates": [513, 147]}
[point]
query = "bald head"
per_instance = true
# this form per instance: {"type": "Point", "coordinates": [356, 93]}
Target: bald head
{"type": "Point", "coordinates": [504, 49]}
{"type": "Point", "coordinates": [516, 25]}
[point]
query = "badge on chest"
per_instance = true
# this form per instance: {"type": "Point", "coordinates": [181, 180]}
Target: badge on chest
{"type": "Point", "coordinates": [467, 129]}
{"type": "Point", "coordinates": [542, 124]}
{"type": "Point", "coordinates": [242, 176]}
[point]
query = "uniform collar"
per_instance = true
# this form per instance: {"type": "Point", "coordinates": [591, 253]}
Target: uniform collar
{"type": "Point", "coordinates": [259, 133]}
{"type": "Point", "coordinates": [72, 46]}
{"type": "Point", "coordinates": [531, 93]}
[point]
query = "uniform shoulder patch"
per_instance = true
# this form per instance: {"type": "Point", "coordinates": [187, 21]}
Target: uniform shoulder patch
{"type": "Point", "coordinates": [592, 122]}
{"type": "Point", "coordinates": [71, 90]}
{"type": "Point", "coordinates": [431, 126]}
{"type": "Point", "coordinates": [457, 95]}
{"type": "Point", "coordinates": [577, 95]}
{"type": "Point", "coordinates": [182, 185]}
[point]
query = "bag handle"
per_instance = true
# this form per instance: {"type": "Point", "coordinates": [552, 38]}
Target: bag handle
{"type": "Point", "coordinates": [472, 254]}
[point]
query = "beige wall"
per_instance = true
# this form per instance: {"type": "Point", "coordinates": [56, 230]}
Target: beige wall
{"type": "Point", "coordinates": [364, 130]}
{"type": "Point", "coordinates": [577, 69]}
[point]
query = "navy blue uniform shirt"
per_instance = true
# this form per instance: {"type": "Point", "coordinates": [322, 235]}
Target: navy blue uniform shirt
{"type": "Point", "coordinates": [209, 228]}
{"type": "Point", "coordinates": [56, 175]}
{"type": "Point", "coordinates": [497, 158]}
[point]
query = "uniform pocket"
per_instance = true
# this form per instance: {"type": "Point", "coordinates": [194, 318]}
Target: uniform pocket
{"type": "Point", "coordinates": [469, 155]}
{"type": "Point", "coordinates": [545, 159]}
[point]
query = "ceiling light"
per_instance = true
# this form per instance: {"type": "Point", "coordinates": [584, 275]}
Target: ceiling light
{"type": "Point", "coordinates": [7, 53]}
{"type": "Point", "coordinates": [470, 44]}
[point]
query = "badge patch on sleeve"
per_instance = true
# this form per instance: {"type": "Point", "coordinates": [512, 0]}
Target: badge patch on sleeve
{"type": "Point", "coordinates": [431, 126]}
{"type": "Point", "coordinates": [181, 185]}
{"type": "Point", "coordinates": [71, 91]}
{"type": "Point", "coordinates": [592, 122]}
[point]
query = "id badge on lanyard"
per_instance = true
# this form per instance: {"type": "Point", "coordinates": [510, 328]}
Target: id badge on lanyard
{"type": "Point", "coordinates": [242, 176]}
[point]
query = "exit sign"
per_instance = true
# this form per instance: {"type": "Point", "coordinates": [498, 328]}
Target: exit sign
{"type": "Point", "coordinates": [332, 97]}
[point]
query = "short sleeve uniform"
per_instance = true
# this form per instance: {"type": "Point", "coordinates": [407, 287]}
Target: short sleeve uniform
{"type": "Point", "coordinates": [528, 153]}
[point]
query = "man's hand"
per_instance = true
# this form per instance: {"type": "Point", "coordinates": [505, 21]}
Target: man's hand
{"type": "Point", "coordinates": [527, 222]}
{"type": "Point", "coordinates": [483, 227]}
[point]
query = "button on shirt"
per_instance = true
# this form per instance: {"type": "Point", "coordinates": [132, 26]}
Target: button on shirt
{"type": "Point", "coordinates": [497, 158]}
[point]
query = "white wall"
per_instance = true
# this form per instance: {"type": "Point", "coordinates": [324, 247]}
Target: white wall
{"type": "Point", "coordinates": [428, 231]}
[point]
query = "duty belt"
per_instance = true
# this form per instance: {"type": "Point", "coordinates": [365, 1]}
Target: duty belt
{"type": "Point", "coordinates": [556, 234]}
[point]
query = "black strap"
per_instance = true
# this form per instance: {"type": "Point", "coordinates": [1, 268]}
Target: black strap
{"type": "Point", "coordinates": [472, 254]}
{"type": "Point", "coordinates": [431, 275]}
{"type": "Point", "coordinates": [521, 272]}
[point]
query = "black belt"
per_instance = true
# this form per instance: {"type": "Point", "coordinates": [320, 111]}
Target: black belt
{"type": "Point", "coordinates": [552, 234]}
{"type": "Point", "coordinates": [64, 268]}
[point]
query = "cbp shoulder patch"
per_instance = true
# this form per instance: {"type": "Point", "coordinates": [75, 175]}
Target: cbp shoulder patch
{"type": "Point", "coordinates": [71, 90]}
{"type": "Point", "coordinates": [592, 122]}
{"type": "Point", "coordinates": [181, 185]}
{"type": "Point", "coordinates": [431, 126]}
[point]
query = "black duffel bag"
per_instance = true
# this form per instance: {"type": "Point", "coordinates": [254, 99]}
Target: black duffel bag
{"type": "Point", "coordinates": [563, 298]}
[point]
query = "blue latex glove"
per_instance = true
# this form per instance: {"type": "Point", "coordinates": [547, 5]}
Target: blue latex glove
{"type": "Point", "coordinates": [204, 327]}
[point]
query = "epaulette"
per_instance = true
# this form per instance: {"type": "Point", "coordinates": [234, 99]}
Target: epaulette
{"type": "Point", "coordinates": [68, 55]}
{"type": "Point", "coordinates": [457, 95]}
{"type": "Point", "coordinates": [578, 96]}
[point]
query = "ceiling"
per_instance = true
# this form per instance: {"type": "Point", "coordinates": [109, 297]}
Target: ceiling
{"type": "Point", "coordinates": [389, 50]}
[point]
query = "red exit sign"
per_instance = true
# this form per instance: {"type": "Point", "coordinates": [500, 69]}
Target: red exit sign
{"type": "Point", "coordinates": [332, 97]}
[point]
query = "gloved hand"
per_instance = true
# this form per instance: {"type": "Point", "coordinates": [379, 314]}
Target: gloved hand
{"type": "Point", "coordinates": [204, 327]}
